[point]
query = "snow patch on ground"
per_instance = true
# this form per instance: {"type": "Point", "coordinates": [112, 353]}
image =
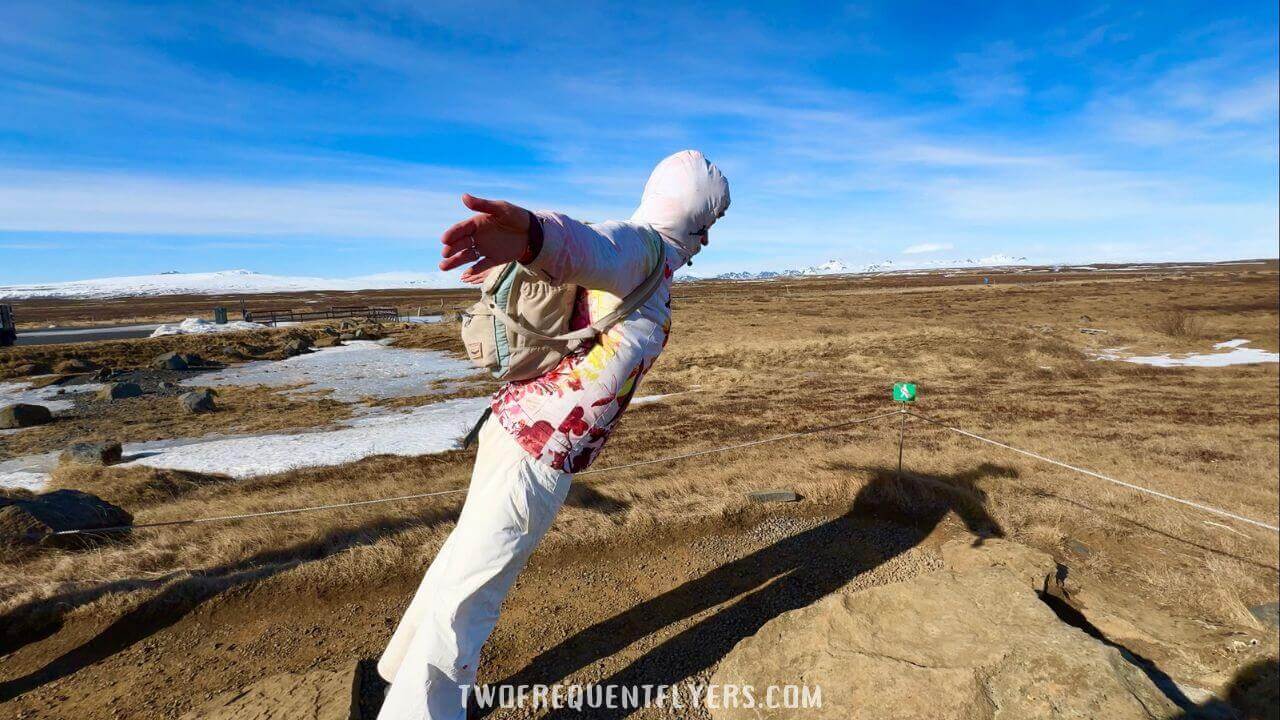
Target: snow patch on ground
{"type": "Point", "coordinates": [357, 370]}
{"type": "Point", "coordinates": [1235, 354]}
{"type": "Point", "coordinates": [27, 473]}
{"type": "Point", "coordinates": [199, 326]}
{"type": "Point", "coordinates": [419, 431]}
{"type": "Point", "coordinates": [53, 397]}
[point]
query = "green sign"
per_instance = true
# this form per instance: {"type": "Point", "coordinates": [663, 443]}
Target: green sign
{"type": "Point", "coordinates": [904, 392]}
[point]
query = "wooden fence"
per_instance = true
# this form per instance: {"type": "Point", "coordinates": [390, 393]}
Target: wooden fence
{"type": "Point", "coordinates": [275, 317]}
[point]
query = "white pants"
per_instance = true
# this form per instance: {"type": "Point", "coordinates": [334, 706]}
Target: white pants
{"type": "Point", "coordinates": [433, 654]}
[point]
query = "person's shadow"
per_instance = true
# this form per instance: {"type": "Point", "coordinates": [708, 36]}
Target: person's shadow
{"type": "Point", "coordinates": [888, 517]}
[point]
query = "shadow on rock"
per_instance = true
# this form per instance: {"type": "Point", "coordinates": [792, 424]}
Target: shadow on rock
{"type": "Point", "coordinates": [888, 517]}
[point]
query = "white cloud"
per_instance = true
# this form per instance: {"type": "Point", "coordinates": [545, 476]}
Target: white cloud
{"type": "Point", "coordinates": [921, 248]}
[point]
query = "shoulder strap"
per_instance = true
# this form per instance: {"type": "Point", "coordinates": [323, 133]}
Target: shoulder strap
{"type": "Point", "coordinates": [633, 300]}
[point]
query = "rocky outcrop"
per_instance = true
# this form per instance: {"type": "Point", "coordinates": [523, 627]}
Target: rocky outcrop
{"type": "Point", "coordinates": [22, 415]}
{"type": "Point", "coordinates": [975, 642]}
{"type": "Point", "coordinates": [92, 453]}
{"type": "Point", "coordinates": [25, 521]}
{"type": "Point", "coordinates": [198, 401]}
{"type": "Point", "coordinates": [119, 391]}
{"type": "Point", "coordinates": [317, 695]}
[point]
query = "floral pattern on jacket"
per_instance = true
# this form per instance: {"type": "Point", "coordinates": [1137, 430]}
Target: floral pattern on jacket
{"type": "Point", "coordinates": [564, 417]}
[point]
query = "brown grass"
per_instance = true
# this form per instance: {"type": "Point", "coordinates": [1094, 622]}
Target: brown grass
{"type": "Point", "coordinates": [757, 359]}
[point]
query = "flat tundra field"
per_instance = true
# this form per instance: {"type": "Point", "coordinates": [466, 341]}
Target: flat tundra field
{"type": "Point", "coordinates": [631, 585]}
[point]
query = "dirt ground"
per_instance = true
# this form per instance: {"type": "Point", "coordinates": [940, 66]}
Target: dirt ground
{"type": "Point", "coordinates": [651, 574]}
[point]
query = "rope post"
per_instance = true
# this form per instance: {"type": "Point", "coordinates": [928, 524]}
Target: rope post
{"type": "Point", "coordinates": [902, 431]}
{"type": "Point", "coordinates": [903, 393]}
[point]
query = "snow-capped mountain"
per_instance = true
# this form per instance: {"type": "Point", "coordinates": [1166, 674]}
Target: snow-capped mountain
{"type": "Point", "coordinates": [225, 282]}
{"type": "Point", "coordinates": [839, 267]}
{"type": "Point", "coordinates": [240, 282]}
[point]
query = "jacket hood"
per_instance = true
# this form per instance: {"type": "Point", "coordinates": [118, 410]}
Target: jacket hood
{"type": "Point", "coordinates": [683, 198]}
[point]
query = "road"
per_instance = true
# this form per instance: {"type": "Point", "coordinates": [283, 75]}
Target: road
{"type": "Point", "coordinates": [57, 336]}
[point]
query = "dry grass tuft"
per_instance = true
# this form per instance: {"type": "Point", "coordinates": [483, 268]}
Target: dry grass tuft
{"type": "Point", "coordinates": [1179, 324]}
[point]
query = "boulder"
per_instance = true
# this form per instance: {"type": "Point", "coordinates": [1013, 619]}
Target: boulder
{"type": "Point", "coordinates": [297, 346]}
{"type": "Point", "coordinates": [92, 453]}
{"type": "Point", "coordinates": [968, 645]}
{"type": "Point", "coordinates": [316, 695]}
{"type": "Point", "coordinates": [22, 415]}
{"type": "Point", "coordinates": [119, 391]}
{"type": "Point", "coordinates": [74, 365]}
{"type": "Point", "coordinates": [169, 361]}
{"type": "Point", "coordinates": [25, 520]}
{"type": "Point", "coordinates": [198, 401]}
{"type": "Point", "coordinates": [329, 341]}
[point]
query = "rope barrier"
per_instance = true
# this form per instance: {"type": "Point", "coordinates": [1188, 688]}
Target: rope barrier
{"type": "Point", "coordinates": [1100, 476]}
{"type": "Point", "coordinates": [378, 501]}
{"type": "Point", "coordinates": [683, 456]}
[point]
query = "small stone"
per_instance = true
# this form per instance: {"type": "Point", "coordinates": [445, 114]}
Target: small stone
{"type": "Point", "coordinates": [763, 496]}
{"type": "Point", "coordinates": [119, 391]}
{"type": "Point", "coordinates": [198, 401]}
{"type": "Point", "coordinates": [1078, 547]}
{"type": "Point", "coordinates": [1093, 331]}
{"type": "Point", "coordinates": [92, 453]}
{"type": "Point", "coordinates": [1267, 613]}
{"type": "Point", "coordinates": [22, 415]}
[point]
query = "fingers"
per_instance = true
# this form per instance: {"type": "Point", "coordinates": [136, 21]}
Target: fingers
{"type": "Point", "coordinates": [506, 213]}
{"type": "Point", "coordinates": [459, 236]}
{"type": "Point", "coordinates": [483, 267]}
{"type": "Point", "coordinates": [462, 257]}
{"type": "Point", "coordinates": [491, 207]}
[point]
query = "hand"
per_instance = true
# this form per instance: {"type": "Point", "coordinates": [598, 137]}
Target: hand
{"type": "Point", "coordinates": [471, 277]}
{"type": "Point", "coordinates": [498, 233]}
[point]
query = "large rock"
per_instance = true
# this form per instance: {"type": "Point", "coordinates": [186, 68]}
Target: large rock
{"type": "Point", "coordinates": [317, 695]}
{"type": "Point", "coordinates": [119, 391]}
{"type": "Point", "coordinates": [1036, 569]}
{"type": "Point", "coordinates": [967, 645]}
{"type": "Point", "coordinates": [177, 361]}
{"type": "Point", "coordinates": [23, 415]}
{"type": "Point", "coordinates": [198, 401]}
{"type": "Point", "coordinates": [26, 520]}
{"type": "Point", "coordinates": [92, 453]}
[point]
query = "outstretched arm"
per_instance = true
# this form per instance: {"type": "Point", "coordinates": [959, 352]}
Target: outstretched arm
{"type": "Point", "coordinates": [615, 258]}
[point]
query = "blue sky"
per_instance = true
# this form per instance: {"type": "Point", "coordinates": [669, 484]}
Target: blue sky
{"type": "Point", "coordinates": [334, 139]}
